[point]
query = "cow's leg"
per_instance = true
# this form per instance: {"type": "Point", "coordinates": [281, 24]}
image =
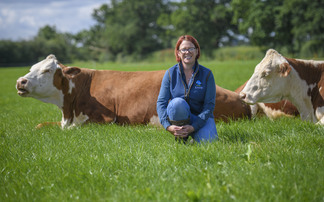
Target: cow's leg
{"type": "Point", "coordinates": [48, 124]}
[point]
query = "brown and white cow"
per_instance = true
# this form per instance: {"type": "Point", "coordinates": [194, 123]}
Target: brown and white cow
{"type": "Point", "coordinates": [105, 96]}
{"type": "Point", "coordinates": [301, 81]}
{"type": "Point", "coordinates": [272, 110]}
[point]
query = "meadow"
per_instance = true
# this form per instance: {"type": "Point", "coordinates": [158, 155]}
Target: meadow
{"type": "Point", "coordinates": [253, 160]}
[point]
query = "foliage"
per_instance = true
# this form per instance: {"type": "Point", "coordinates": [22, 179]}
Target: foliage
{"type": "Point", "coordinates": [127, 30]}
{"type": "Point", "coordinates": [294, 26]}
{"type": "Point", "coordinates": [254, 160]}
{"type": "Point", "coordinates": [136, 29]}
{"type": "Point", "coordinates": [14, 53]}
{"type": "Point", "coordinates": [238, 53]}
{"type": "Point", "coordinates": [207, 20]}
{"type": "Point", "coordinates": [129, 27]}
{"type": "Point", "coordinates": [48, 41]}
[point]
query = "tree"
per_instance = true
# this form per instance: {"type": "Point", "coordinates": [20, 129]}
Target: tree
{"type": "Point", "coordinates": [293, 26]}
{"type": "Point", "coordinates": [129, 27]}
{"type": "Point", "coordinates": [136, 28]}
{"type": "Point", "coordinates": [207, 20]}
{"type": "Point", "coordinates": [49, 41]}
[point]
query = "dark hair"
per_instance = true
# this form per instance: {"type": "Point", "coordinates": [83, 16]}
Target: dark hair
{"type": "Point", "coordinates": [186, 38]}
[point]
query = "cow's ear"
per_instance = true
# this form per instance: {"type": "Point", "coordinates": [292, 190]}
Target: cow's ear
{"type": "Point", "coordinates": [71, 71]}
{"type": "Point", "coordinates": [284, 69]}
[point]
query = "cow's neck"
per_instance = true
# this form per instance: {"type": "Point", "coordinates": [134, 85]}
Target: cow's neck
{"type": "Point", "coordinates": [56, 99]}
{"type": "Point", "coordinates": [301, 86]}
{"type": "Point", "coordinates": [75, 100]}
{"type": "Point", "coordinates": [308, 71]}
{"type": "Point", "coordinates": [305, 108]}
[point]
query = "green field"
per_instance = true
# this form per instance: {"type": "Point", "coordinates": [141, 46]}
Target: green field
{"type": "Point", "coordinates": [254, 160]}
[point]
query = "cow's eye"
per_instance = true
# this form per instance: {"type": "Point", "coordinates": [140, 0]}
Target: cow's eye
{"type": "Point", "coordinates": [264, 74]}
{"type": "Point", "coordinates": [45, 71]}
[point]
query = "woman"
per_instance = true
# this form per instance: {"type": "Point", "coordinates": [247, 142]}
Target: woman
{"type": "Point", "coordinates": [187, 96]}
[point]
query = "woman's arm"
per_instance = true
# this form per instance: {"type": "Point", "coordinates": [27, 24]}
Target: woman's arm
{"type": "Point", "coordinates": [209, 104]}
{"type": "Point", "coordinates": [163, 100]}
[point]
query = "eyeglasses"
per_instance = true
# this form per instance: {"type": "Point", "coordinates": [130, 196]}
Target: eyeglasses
{"type": "Point", "coordinates": [185, 50]}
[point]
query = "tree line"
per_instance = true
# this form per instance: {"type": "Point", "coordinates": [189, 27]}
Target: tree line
{"type": "Point", "coordinates": [132, 30]}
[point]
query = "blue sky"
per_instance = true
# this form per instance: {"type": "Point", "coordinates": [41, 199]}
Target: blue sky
{"type": "Point", "coordinates": [21, 19]}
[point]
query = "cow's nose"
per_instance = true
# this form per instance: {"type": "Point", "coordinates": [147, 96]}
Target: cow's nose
{"type": "Point", "coordinates": [21, 81]}
{"type": "Point", "coordinates": [242, 95]}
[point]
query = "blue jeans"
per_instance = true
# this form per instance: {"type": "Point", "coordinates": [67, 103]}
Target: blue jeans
{"type": "Point", "coordinates": [178, 110]}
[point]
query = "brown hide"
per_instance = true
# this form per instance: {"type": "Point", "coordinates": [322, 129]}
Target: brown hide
{"type": "Point", "coordinates": [229, 105]}
{"type": "Point", "coordinates": [109, 96]}
{"type": "Point", "coordinates": [311, 73]}
{"type": "Point", "coordinates": [131, 96]}
{"type": "Point", "coordinates": [284, 106]}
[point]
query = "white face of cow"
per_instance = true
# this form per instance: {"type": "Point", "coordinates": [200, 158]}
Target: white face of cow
{"type": "Point", "coordinates": [268, 81]}
{"type": "Point", "coordinates": [38, 83]}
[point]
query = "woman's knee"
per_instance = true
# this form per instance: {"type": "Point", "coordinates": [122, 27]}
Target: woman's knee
{"type": "Point", "coordinates": [178, 109]}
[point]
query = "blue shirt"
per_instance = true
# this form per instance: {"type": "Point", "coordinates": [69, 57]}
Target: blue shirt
{"type": "Point", "coordinates": [200, 94]}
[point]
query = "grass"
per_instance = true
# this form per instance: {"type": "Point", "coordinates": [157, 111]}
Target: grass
{"type": "Point", "coordinates": [254, 160]}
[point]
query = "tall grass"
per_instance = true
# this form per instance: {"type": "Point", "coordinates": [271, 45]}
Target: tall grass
{"type": "Point", "coordinates": [254, 160]}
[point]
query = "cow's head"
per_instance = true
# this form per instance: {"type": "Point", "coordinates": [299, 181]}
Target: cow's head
{"type": "Point", "coordinates": [269, 80]}
{"type": "Point", "coordinates": [46, 81]}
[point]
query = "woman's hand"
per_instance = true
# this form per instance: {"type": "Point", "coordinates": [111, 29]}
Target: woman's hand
{"type": "Point", "coordinates": [180, 131]}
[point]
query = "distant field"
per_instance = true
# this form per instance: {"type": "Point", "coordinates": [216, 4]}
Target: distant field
{"type": "Point", "coordinates": [254, 160]}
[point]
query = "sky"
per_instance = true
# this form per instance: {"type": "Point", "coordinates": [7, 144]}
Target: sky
{"type": "Point", "coordinates": [21, 19]}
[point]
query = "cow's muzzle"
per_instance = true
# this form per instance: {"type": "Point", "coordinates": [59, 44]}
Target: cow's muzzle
{"type": "Point", "coordinates": [245, 99]}
{"type": "Point", "coordinates": [242, 95]}
{"type": "Point", "coordinates": [21, 86]}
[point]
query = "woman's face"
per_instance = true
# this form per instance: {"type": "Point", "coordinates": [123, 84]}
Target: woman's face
{"type": "Point", "coordinates": [187, 52]}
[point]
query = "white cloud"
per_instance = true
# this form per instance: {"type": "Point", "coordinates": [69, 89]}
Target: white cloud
{"type": "Point", "coordinates": [21, 19]}
{"type": "Point", "coordinates": [28, 21]}
{"type": "Point", "coordinates": [7, 16]}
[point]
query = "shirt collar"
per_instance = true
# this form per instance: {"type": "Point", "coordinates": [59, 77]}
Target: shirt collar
{"type": "Point", "coordinates": [196, 67]}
